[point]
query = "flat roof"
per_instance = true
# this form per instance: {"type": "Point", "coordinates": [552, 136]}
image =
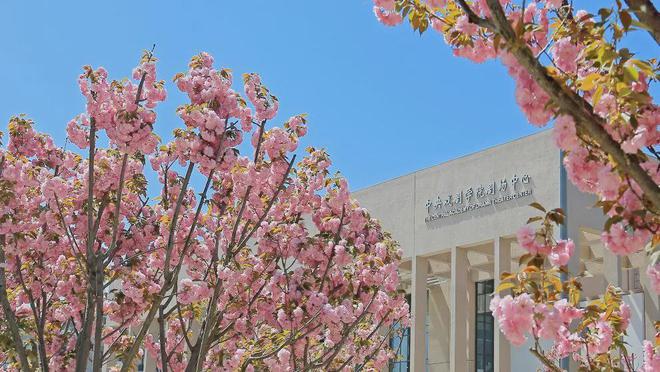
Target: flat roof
{"type": "Point", "coordinates": [544, 132]}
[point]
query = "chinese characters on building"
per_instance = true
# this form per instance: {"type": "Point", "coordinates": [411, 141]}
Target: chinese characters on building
{"type": "Point", "coordinates": [478, 196]}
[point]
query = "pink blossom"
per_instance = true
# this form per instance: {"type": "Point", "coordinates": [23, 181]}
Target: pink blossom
{"type": "Point", "coordinates": [624, 313]}
{"type": "Point", "coordinates": [641, 85]}
{"type": "Point", "coordinates": [556, 319]}
{"type": "Point", "coordinates": [623, 240]}
{"type": "Point", "coordinates": [527, 239]}
{"type": "Point", "coordinates": [581, 170]}
{"type": "Point", "coordinates": [561, 252]}
{"type": "Point", "coordinates": [608, 183]}
{"type": "Point", "coordinates": [77, 134]}
{"type": "Point", "coordinates": [651, 358]}
{"type": "Point", "coordinates": [388, 18]}
{"type": "Point", "coordinates": [283, 356]}
{"type": "Point", "coordinates": [23, 310]}
{"type": "Point", "coordinates": [601, 337]}
{"type": "Point", "coordinates": [551, 323]}
{"type": "Point", "coordinates": [565, 55]}
{"type": "Point", "coordinates": [567, 312]}
{"type": "Point", "coordinates": [646, 134]}
{"type": "Point", "coordinates": [553, 4]}
{"type": "Point", "coordinates": [653, 271]}
{"type": "Point", "coordinates": [564, 133]}
{"type": "Point", "coordinates": [464, 25]}
{"type": "Point", "coordinates": [437, 25]}
{"type": "Point", "coordinates": [385, 4]}
{"type": "Point", "coordinates": [529, 95]}
{"type": "Point", "coordinates": [480, 52]}
{"type": "Point", "coordinates": [606, 106]}
{"type": "Point", "coordinates": [437, 3]}
{"type": "Point", "coordinates": [515, 316]}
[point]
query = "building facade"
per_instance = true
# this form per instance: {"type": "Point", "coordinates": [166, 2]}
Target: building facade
{"type": "Point", "coordinates": [456, 223]}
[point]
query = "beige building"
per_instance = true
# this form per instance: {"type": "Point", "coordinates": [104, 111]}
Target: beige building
{"type": "Point", "coordinates": [456, 223]}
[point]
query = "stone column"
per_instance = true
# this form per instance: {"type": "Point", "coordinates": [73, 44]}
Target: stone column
{"type": "Point", "coordinates": [502, 348]}
{"type": "Point", "coordinates": [418, 313]}
{"type": "Point", "coordinates": [459, 312]}
{"type": "Point", "coordinates": [612, 270]}
{"type": "Point", "coordinates": [575, 234]}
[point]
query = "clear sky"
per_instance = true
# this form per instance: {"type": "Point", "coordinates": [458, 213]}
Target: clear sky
{"type": "Point", "coordinates": [383, 101]}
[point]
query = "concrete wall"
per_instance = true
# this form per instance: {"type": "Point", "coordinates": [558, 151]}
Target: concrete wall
{"type": "Point", "coordinates": [402, 207]}
{"type": "Point", "coordinates": [439, 328]}
{"type": "Point", "coordinates": [408, 208]}
{"type": "Point", "coordinates": [401, 204]}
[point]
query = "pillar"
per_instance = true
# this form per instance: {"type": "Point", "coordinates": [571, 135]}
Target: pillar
{"type": "Point", "coordinates": [502, 348]}
{"type": "Point", "coordinates": [418, 313]}
{"type": "Point", "coordinates": [612, 270]}
{"type": "Point", "coordinates": [459, 310]}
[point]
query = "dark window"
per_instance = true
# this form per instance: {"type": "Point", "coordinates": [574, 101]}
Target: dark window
{"type": "Point", "coordinates": [484, 327]}
{"type": "Point", "coordinates": [400, 343]}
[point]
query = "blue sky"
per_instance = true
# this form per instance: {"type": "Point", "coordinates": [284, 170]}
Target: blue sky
{"type": "Point", "coordinates": [383, 101]}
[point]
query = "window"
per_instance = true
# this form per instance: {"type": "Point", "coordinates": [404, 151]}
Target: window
{"type": "Point", "coordinates": [400, 343]}
{"type": "Point", "coordinates": [484, 327]}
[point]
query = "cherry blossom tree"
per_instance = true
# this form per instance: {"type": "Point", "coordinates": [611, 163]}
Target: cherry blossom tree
{"type": "Point", "coordinates": [572, 67]}
{"type": "Point", "coordinates": [269, 265]}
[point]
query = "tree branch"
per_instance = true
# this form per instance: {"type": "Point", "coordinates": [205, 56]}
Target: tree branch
{"type": "Point", "coordinates": [571, 103]}
{"type": "Point", "coordinates": [646, 13]}
{"type": "Point", "coordinates": [10, 317]}
{"type": "Point", "coordinates": [83, 342]}
{"type": "Point", "coordinates": [473, 17]}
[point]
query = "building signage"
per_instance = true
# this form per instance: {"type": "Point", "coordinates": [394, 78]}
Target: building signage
{"type": "Point", "coordinates": [475, 197]}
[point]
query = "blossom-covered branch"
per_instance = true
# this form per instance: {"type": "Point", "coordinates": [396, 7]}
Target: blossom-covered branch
{"type": "Point", "coordinates": [570, 66]}
{"type": "Point", "coordinates": [271, 266]}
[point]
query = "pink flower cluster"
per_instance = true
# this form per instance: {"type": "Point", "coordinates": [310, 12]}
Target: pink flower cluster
{"type": "Point", "coordinates": [559, 253]}
{"type": "Point", "coordinates": [629, 116]}
{"type": "Point", "coordinates": [624, 240]}
{"type": "Point", "coordinates": [529, 95]}
{"type": "Point", "coordinates": [646, 133]}
{"type": "Point", "coordinates": [528, 240]}
{"type": "Point", "coordinates": [265, 104]}
{"type": "Point", "coordinates": [124, 109]}
{"type": "Point", "coordinates": [269, 248]}
{"type": "Point", "coordinates": [555, 320]}
{"type": "Point", "coordinates": [651, 358]}
{"type": "Point", "coordinates": [565, 55]}
{"type": "Point", "coordinates": [515, 316]}
{"type": "Point", "coordinates": [212, 104]}
{"type": "Point", "coordinates": [520, 316]}
{"type": "Point", "coordinates": [653, 271]}
{"type": "Point", "coordinates": [384, 11]}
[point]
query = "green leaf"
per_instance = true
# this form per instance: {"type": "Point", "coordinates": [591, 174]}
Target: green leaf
{"type": "Point", "coordinates": [643, 66]}
{"type": "Point", "coordinates": [626, 19]}
{"type": "Point", "coordinates": [641, 25]}
{"type": "Point", "coordinates": [604, 13]}
{"type": "Point", "coordinates": [534, 219]}
{"type": "Point", "coordinates": [524, 259]}
{"type": "Point", "coordinates": [605, 205]}
{"type": "Point", "coordinates": [611, 221]}
{"type": "Point", "coordinates": [630, 72]}
{"type": "Point", "coordinates": [589, 81]}
{"type": "Point", "coordinates": [597, 95]}
{"type": "Point", "coordinates": [538, 206]}
{"type": "Point", "coordinates": [556, 217]}
{"type": "Point", "coordinates": [504, 286]}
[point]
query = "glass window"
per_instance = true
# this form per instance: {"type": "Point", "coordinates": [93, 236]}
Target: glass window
{"type": "Point", "coordinates": [484, 327]}
{"type": "Point", "coordinates": [400, 343]}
